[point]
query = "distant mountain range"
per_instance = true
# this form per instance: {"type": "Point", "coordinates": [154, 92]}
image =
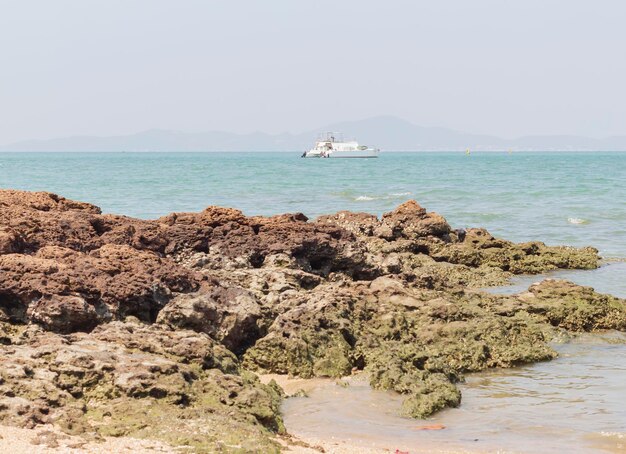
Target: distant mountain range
{"type": "Point", "coordinates": [386, 132]}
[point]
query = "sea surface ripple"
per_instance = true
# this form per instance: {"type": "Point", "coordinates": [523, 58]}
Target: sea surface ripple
{"type": "Point", "coordinates": [559, 198]}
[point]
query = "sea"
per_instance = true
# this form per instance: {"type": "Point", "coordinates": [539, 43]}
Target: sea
{"type": "Point", "coordinates": [576, 403]}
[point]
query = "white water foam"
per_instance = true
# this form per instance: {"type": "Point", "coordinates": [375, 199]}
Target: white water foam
{"type": "Point", "coordinates": [391, 195]}
{"type": "Point", "coordinates": [400, 194]}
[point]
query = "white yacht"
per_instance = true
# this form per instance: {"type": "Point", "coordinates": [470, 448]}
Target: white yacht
{"type": "Point", "coordinates": [333, 145]}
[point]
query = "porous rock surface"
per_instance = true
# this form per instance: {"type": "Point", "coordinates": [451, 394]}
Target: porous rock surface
{"type": "Point", "coordinates": [111, 325]}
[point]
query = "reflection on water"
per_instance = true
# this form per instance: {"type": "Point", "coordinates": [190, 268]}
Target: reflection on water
{"type": "Point", "coordinates": [574, 403]}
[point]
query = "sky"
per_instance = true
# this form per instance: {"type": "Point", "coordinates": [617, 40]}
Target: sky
{"type": "Point", "coordinates": [501, 67]}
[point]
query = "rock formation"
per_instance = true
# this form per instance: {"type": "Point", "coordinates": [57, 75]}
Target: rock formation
{"type": "Point", "coordinates": [111, 325]}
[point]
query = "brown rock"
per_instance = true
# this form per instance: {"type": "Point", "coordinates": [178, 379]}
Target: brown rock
{"type": "Point", "coordinates": [315, 247]}
{"type": "Point", "coordinates": [360, 224]}
{"type": "Point", "coordinates": [43, 201]}
{"type": "Point", "coordinates": [10, 242]}
{"type": "Point", "coordinates": [227, 314]}
{"type": "Point", "coordinates": [412, 221]}
{"type": "Point", "coordinates": [63, 313]}
{"type": "Point", "coordinates": [65, 290]}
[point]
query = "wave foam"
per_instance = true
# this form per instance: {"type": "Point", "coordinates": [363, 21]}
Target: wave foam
{"type": "Point", "coordinates": [399, 194]}
{"type": "Point", "coordinates": [391, 195]}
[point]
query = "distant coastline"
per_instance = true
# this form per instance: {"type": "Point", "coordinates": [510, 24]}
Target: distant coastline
{"type": "Point", "coordinates": [386, 132]}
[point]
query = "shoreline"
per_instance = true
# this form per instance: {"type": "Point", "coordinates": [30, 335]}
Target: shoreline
{"type": "Point", "coordinates": [331, 412]}
{"type": "Point", "coordinates": [157, 329]}
{"type": "Point", "coordinates": [297, 387]}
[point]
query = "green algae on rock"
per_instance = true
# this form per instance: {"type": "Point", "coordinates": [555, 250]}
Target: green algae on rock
{"type": "Point", "coordinates": [418, 344]}
{"type": "Point", "coordinates": [574, 307]}
{"type": "Point", "coordinates": [422, 344]}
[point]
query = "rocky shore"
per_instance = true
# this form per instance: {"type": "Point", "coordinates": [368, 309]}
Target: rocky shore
{"type": "Point", "coordinates": [156, 329]}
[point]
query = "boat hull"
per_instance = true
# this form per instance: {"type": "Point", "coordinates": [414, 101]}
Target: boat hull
{"type": "Point", "coordinates": [369, 153]}
{"type": "Point", "coordinates": [332, 145]}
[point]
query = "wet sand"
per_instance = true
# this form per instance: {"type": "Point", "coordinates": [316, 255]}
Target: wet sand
{"type": "Point", "coordinates": [336, 446]}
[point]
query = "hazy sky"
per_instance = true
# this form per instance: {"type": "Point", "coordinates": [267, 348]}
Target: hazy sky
{"type": "Point", "coordinates": [486, 66]}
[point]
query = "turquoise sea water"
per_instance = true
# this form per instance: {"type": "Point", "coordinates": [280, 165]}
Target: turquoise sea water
{"type": "Point", "coordinates": [559, 198]}
{"type": "Point", "coordinates": [573, 404]}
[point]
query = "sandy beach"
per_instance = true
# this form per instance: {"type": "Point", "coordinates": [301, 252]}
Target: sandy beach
{"type": "Point", "coordinates": [47, 439]}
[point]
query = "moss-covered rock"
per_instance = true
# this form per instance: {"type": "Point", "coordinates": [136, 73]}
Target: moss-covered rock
{"type": "Point", "coordinates": [128, 379]}
{"type": "Point", "coordinates": [420, 342]}
{"type": "Point", "coordinates": [574, 307]}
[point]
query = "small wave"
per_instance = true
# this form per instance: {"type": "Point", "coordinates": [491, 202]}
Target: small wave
{"type": "Point", "coordinates": [391, 195]}
{"type": "Point", "coordinates": [577, 221]}
{"type": "Point", "coordinates": [399, 194]}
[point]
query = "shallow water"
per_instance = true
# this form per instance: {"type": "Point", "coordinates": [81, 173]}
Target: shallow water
{"type": "Point", "coordinates": [572, 404]}
{"type": "Point", "coordinates": [609, 278]}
